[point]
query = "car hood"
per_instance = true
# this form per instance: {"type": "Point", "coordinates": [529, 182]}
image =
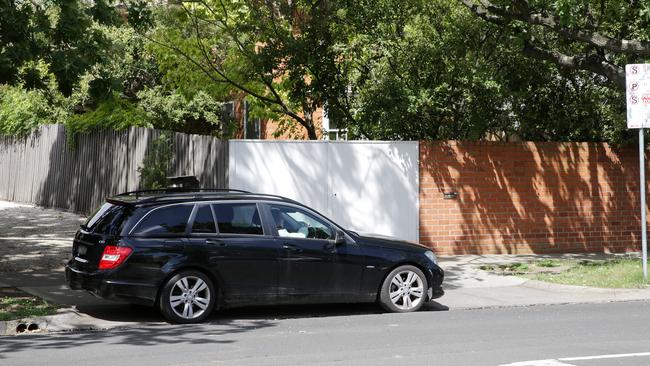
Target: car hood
{"type": "Point", "coordinates": [389, 242]}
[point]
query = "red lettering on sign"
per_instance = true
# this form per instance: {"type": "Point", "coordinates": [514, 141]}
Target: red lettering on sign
{"type": "Point", "coordinates": [646, 99]}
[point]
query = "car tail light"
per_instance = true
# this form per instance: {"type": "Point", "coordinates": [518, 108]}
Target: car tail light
{"type": "Point", "coordinates": [113, 256]}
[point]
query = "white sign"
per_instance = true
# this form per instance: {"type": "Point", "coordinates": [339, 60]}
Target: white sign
{"type": "Point", "coordinates": [637, 78]}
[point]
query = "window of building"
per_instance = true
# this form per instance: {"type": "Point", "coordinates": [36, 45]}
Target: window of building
{"type": "Point", "coordinates": [332, 132]}
{"type": "Point", "coordinates": [252, 126]}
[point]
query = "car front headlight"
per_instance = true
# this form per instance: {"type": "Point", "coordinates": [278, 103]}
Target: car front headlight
{"type": "Point", "coordinates": [431, 256]}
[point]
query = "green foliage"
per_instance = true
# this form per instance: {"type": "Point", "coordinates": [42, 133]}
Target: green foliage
{"type": "Point", "coordinates": [153, 172]}
{"type": "Point", "coordinates": [114, 113]}
{"type": "Point", "coordinates": [457, 78]}
{"type": "Point", "coordinates": [173, 111]}
{"type": "Point", "coordinates": [384, 69]}
{"type": "Point", "coordinates": [22, 111]}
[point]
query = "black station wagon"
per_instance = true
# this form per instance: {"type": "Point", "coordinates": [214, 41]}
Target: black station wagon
{"type": "Point", "coordinates": [189, 252]}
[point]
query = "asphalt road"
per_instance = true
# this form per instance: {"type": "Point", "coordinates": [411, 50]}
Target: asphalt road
{"type": "Point", "coordinates": [579, 335]}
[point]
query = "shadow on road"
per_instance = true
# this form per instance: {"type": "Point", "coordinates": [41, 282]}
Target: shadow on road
{"type": "Point", "coordinates": [144, 314]}
{"type": "Point", "coordinates": [149, 328]}
{"type": "Point", "coordinates": [217, 332]}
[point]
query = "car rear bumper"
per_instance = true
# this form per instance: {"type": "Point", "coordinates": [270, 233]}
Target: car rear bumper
{"type": "Point", "coordinates": [101, 284]}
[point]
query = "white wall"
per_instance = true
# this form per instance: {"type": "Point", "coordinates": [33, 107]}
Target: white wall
{"type": "Point", "coordinates": [365, 186]}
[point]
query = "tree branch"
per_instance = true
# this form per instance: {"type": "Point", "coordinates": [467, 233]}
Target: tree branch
{"type": "Point", "coordinates": [593, 63]}
{"type": "Point", "coordinates": [523, 12]}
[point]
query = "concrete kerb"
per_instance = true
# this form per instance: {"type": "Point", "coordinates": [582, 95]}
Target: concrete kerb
{"type": "Point", "coordinates": [67, 320]}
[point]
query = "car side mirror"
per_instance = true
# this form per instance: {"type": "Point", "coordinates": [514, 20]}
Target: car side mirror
{"type": "Point", "coordinates": [339, 238]}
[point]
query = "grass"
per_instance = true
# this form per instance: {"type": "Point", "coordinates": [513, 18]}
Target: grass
{"type": "Point", "coordinates": [617, 273]}
{"type": "Point", "coordinates": [510, 268]}
{"type": "Point", "coordinates": [609, 273]}
{"type": "Point", "coordinates": [24, 307]}
{"type": "Point", "coordinates": [548, 263]}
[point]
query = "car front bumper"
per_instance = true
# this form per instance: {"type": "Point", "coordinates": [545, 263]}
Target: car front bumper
{"type": "Point", "coordinates": [436, 275]}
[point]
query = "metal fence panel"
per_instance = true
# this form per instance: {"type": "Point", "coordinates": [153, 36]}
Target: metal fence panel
{"type": "Point", "coordinates": [370, 186]}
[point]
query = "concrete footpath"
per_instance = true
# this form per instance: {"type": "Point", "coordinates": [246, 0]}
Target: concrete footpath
{"type": "Point", "coordinates": [468, 287]}
{"type": "Point", "coordinates": [35, 242]}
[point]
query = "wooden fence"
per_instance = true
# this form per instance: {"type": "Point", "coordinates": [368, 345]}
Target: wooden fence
{"type": "Point", "coordinates": [45, 170]}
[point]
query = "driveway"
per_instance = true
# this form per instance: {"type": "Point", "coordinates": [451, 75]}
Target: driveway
{"type": "Point", "coordinates": [35, 244]}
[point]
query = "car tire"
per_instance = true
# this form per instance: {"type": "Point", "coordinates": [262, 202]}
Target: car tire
{"type": "Point", "coordinates": [404, 290]}
{"type": "Point", "coordinates": [188, 297]}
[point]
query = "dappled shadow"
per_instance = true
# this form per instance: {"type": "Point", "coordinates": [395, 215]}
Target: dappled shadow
{"type": "Point", "coordinates": [51, 169]}
{"type": "Point", "coordinates": [528, 197]}
{"type": "Point", "coordinates": [143, 314]}
{"type": "Point", "coordinates": [137, 314]}
{"type": "Point", "coordinates": [215, 332]}
{"type": "Point", "coordinates": [365, 186]}
{"type": "Point", "coordinates": [35, 240]}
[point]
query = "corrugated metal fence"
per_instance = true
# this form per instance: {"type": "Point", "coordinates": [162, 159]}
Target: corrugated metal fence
{"type": "Point", "coordinates": [44, 169]}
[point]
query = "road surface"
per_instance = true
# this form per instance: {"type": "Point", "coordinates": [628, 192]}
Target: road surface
{"type": "Point", "coordinates": [584, 334]}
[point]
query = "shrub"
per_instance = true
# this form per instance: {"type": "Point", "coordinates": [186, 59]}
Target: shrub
{"type": "Point", "coordinates": [22, 111]}
{"type": "Point", "coordinates": [153, 172]}
{"type": "Point", "coordinates": [114, 113]}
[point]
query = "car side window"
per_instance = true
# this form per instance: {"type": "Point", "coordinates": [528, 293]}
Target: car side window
{"type": "Point", "coordinates": [296, 223]}
{"type": "Point", "coordinates": [238, 218]}
{"type": "Point", "coordinates": [204, 221]}
{"type": "Point", "coordinates": [164, 221]}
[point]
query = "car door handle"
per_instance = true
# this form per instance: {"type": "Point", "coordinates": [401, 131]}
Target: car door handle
{"type": "Point", "coordinates": [291, 248]}
{"type": "Point", "coordinates": [217, 242]}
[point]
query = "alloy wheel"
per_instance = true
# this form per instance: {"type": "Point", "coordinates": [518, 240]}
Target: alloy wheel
{"type": "Point", "coordinates": [189, 297]}
{"type": "Point", "coordinates": [406, 290]}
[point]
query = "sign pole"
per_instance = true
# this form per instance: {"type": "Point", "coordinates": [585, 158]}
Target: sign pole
{"type": "Point", "coordinates": [637, 90]}
{"type": "Point", "coordinates": [644, 237]}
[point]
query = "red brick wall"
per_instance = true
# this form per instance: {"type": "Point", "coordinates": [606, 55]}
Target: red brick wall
{"type": "Point", "coordinates": [526, 197]}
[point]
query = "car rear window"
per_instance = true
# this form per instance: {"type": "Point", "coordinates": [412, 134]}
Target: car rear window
{"type": "Point", "coordinates": [204, 221]}
{"type": "Point", "coordinates": [108, 219]}
{"type": "Point", "coordinates": [164, 221]}
{"type": "Point", "coordinates": [238, 218]}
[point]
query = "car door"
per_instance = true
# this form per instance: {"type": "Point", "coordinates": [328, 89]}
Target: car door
{"type": "Point", "coordinates": [314, 266]}
{"type": "Point", "coordinates": [232, 241]}
{"type": "Point", "coordinates": [159, 238]}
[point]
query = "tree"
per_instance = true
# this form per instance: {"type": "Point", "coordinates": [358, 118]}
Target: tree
{"type": "Point", "coordinates": [57, 32]}
{"type": "Point", "coordinates": [595, 36]}
{"type": "Point", "coordinates": [456, 78]}
{"type": "Point", "coordinates": [285, 55]}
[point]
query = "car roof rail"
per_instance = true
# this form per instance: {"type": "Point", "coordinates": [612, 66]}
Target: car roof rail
{"type": "Point", "coordinates": [277, 196]}
{"type": "Point", "coordinates": [163, 191]}
{"type": "Point", "coordinates": [155, 195]}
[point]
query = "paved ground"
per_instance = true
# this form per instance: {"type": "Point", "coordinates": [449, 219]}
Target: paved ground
{"type": "Point", "coordinates": [581, 335]}
{"type": "Point", "coordinates": [36, 242]}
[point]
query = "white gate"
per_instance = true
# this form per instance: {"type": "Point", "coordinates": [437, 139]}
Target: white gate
{"type": "Point", "coordinates": [367, 186]}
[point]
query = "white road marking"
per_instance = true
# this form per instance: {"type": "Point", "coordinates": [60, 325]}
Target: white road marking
{"type": "Point", "coordinates": [549, 362]}
{"type": "Point", "coordinates": [558, 361]}
{"type": "Point", "coordinates": [620, 355]}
